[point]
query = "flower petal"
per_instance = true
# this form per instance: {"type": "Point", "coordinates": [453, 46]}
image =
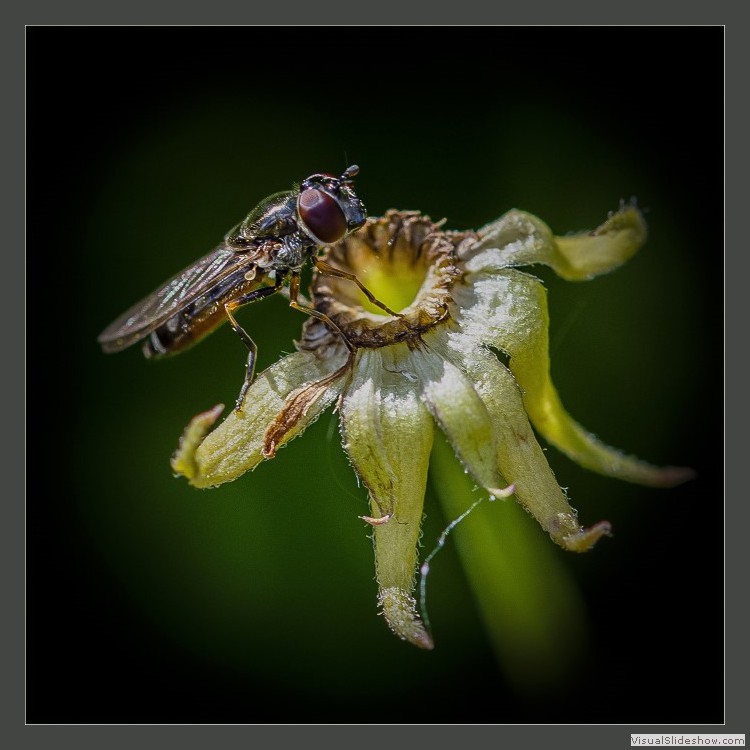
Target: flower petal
{"type": "Point", "coordinates": [518, 238]}
{"type": "Point", "coordinates": [519, 456]}
{"type": "Point", "coordinates": [280, 404]}
{"type": "Point", "coordinates": [461, 414]}
{"type": "Point", "coordinates": [508, 310]}
{"type": "Point", "coordinates": [387, 433]}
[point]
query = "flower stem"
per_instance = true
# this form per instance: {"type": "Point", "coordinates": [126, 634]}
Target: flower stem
{"type": "Point", "coordinates": [531, 607]}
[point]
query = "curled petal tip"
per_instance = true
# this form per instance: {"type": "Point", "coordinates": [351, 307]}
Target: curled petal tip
{"type": "Point", "coordinates": [584, 539]}
{"type": "Point", "coordinates": [183, 460]}
{"type": "Point", "coordinates": [671, 476]}
{"type": "Point", "coordinates": [499, 494]}
{"type": "Point", "coordinates": [399, 609]}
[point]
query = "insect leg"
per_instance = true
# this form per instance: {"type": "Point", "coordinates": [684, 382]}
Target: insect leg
{"type": "Point", "coordinates": [253, 296]}
{"type": "Point", "coordinates": [328, 270]}
{"type": "Point", "coordinates": [294, 291]}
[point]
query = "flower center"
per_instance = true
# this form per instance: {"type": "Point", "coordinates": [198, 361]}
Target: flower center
{"type": "Point", "coordinates": [406, 262]}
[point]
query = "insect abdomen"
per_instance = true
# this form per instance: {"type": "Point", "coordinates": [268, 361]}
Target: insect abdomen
{"type": "Point", "coordinates": [198, 319]}
{"type": "Point", "coordinates": [182, 331]}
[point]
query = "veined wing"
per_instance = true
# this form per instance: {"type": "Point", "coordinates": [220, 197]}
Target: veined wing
{"type": "Point", "coordinates": [182, 289]}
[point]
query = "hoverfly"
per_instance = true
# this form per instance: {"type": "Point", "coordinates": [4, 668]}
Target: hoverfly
{"type": "Point", "coordinates": [270, 246]}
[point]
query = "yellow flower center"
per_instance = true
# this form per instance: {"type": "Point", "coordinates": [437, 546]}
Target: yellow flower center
{"type": "Point", "coordinates": [406, 263]}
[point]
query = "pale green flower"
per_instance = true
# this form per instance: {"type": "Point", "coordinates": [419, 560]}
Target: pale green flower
{"type": "Point", "coordinates": [462, 299]}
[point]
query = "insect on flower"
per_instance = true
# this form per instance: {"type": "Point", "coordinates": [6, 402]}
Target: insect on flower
{"type": "Point", "coordinates": [270, 246]}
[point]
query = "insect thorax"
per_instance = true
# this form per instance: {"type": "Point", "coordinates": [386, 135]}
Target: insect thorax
{"type": "Point", "coordinates": [291, 253]}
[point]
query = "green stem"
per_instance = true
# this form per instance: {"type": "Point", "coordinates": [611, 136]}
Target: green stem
{"type": "Point", "coordinates": [530, 605]}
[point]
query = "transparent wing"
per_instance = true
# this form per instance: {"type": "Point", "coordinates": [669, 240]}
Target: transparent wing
{"type": "Point", "coordinates": [182, 289]}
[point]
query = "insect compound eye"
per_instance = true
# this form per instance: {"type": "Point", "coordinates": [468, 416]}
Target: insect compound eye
{"type": "Point", "coordinates": [322, 215]}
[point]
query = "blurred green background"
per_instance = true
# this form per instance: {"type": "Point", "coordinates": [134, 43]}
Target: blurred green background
{"type": "Point", "coordinates": [255, 603]}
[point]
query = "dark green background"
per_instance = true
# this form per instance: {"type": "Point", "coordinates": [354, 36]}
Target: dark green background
{"type": "Point", "coordinates": [149, 601]}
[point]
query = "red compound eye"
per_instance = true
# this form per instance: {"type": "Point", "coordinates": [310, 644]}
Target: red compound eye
{"type": "Point", "coordinates": [322, 215]}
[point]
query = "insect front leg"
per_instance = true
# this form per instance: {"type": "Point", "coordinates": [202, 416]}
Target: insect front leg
{"type": "Point", "coordinates": [294, 291]}
{"type": "Point", "coordinates": [328, 270]}
{"type": "Point", "coordinates": [253, 296]}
